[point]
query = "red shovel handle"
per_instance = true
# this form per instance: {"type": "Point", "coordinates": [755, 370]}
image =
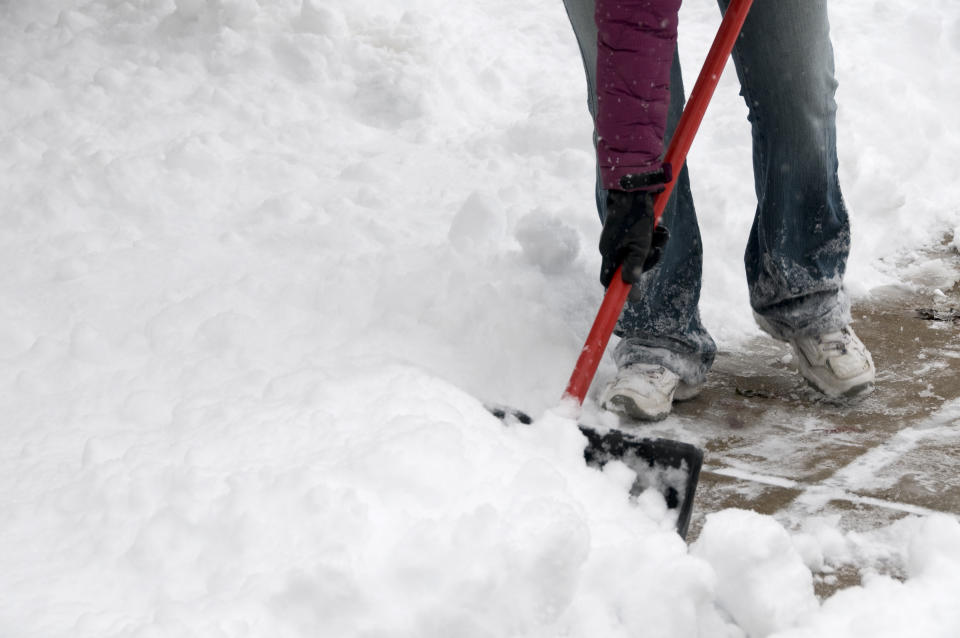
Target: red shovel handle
{"type": "Point", "coordinates": [676, 155]}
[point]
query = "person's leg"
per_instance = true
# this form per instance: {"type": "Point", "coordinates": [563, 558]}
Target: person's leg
{"type": "Point", "coordinates": [797, 251]}
{"type": "Point", "coordinates": [660, 322]}
{"type": "Point", "coordinates": [798, 246]}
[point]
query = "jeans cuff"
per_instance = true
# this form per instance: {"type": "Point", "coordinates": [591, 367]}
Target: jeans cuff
{"type": "Point", "coordinates": [691, 367]}
{"type": "Point", "coordinates": [810, 317]}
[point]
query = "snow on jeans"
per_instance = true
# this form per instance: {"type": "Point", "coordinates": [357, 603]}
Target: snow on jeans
{"type": "Point", "coordinates": [798, 246]}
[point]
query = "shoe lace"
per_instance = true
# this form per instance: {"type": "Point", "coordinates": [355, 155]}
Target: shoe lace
{"type": "Point", "coordinates": [651, 371]}
{"type": "Point", "coordinates": [836, 341]}
{"type": "Point", "coordinates": [655, 373]}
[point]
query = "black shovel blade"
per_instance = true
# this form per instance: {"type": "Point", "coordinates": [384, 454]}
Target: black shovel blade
{"type": "Point", "coordinates": [670, 467]}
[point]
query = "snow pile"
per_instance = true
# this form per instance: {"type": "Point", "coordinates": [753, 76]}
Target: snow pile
{"type": "Point", "coordinates": [384, 503]}
{"type": "Point", "coordinates": [761, 578]}
{"type": "Point", "coordinates": [764, 581]}
{"type": "Point", "coordinates": [263, 261]}
{"type": "Point", "coordinates": [925, 604]}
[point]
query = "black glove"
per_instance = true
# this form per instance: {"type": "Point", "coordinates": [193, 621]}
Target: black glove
{"type": "Point", "coordinates": [629, 237]}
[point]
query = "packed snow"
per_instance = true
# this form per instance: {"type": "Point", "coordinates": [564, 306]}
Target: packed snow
{"type": "Point", "coordinates": [265, 260]}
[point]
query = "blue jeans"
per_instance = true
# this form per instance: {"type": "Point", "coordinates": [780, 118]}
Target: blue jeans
{"type": "Point", "coordinates": [797, 251]}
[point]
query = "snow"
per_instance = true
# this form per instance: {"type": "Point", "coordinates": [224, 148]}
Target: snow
{"type": "Point", "coordinates": [924, 604]}
{"type": "Point", "coordinates": [265, 259]}
{"type": "Point", "coordinates": [762, 580]}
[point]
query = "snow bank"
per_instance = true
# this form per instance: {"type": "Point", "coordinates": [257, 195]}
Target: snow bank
{"type": "Point", "coordinates": [374, 503]}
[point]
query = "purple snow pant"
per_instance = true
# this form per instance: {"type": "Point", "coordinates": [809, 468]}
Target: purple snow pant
{"type": "Point", "coordinates": [797, 250]}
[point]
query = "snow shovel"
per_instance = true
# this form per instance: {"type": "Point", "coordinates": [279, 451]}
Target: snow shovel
{"type": "Point", "coordinates": [672, 467]}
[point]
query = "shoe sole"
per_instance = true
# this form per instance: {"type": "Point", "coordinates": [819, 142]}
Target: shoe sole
{"type": "Point", "coordinates": [857, 391]}
{"type": "Point", "coordinates": [625, 405]}
{"type": "Point", "coordinates": [628, 407]}
{"type": "Point", "coordinates": [685, 392]}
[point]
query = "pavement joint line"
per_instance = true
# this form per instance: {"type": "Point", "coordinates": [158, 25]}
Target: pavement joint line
{"type": "Point", "coordinates": [822, 492]}
{"type": "Point", "coordinates": [880, 503]}
{"type": "Point", "coordinates": [743, 475]}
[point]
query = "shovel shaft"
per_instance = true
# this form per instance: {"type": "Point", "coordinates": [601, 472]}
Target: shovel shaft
{"type": "Point", "coordinates": [676, 155]}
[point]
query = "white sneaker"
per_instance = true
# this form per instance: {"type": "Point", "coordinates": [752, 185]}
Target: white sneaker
{"type": "Point", "coordinates": [646, 391]}
{"type": "Point", "coordinates": [837, 363]}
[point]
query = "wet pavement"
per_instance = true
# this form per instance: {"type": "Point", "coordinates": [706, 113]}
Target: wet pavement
{"type": "Point", "coordinates": [775, 446]}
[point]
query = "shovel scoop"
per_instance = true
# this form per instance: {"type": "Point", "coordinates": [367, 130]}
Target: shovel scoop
{"type": "Point", "coordinates": [670, 467]}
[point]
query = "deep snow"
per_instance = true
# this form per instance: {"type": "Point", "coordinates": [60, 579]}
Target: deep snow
{"type": "Point", "coordinates": [263, 261]}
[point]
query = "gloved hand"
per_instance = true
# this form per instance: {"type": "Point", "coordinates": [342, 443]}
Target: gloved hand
{"type": "Point", "coordinates": [629, 237]}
